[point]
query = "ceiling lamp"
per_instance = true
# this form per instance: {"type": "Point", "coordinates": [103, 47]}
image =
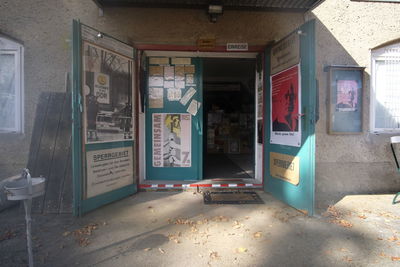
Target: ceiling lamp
{"type": "Point", "coordinates": [214, 10]}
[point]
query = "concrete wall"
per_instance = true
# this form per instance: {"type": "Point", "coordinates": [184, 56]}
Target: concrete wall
{"type": "Point", "coordinates": [45, 29]}
{"type": "Point", "coordinates": [346, 31]}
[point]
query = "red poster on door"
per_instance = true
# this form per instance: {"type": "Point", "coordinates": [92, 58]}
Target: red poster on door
{"type": "Point", "coordinates": [285, 107]}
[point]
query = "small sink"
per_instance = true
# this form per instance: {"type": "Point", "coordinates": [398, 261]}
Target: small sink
{"type": "Point", "coordinates": [18, 189]}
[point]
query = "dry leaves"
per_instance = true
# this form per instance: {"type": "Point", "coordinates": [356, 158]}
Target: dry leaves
{"type": "Point", "coordinates": [241, 250]}
{"type": "Point", "coordinates": [82, 233]}
{"type": "Point", "coordinates": [237, 225]}
{"type": "Point", "coordinates": [161, 250]}
{"type": "Point", "coordinates": [336, 217]}
{"type": "Point", "coordinates": [257, 234]}
{"type": "Point", "coordinates": [395, 258]}
{"type": "Point", "coordinates": [9, 234]}
{"type": "Point", "coordinates": [347, 258]}
{"type": "Point", "coordinates": [220, 219]}
{"type": "Point", "coordinates": [214, 255]}
{"type": "Point", "coordinates": [174, 238]}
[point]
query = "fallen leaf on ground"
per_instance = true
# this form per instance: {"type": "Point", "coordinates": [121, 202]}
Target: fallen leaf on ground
{"type": "Point", "coordinates": [214, 255]}
{"type": "Point", "coordinates": [395, 258]}
{"type": "Point", "coordinates": [161, 250]}
{"type": "Point", "coordinates": [393, 238]}
{"type": "Point", "coordinates": [344, 250]}
{"type": "Point", "coordinates": [7, 235]}
{"type": "Point", "coordinates": [342, 223]}
{"type": "Point", "coordinates": [382, 254]}
{"type": "Point", "coordinates": [347, 258]}
{"type": "Point", "coordinates": [84, 241]}
{"type": "Point", "coordinates": [147, 249]}
{"type": "Point", "coordinates": [362, 216]}
{"type": "Point", "coordinates": [66, 233]}
{"type": "Point", "coordinates": [257, 234]}
{"type": "Point", "coordinates": [241, 250]}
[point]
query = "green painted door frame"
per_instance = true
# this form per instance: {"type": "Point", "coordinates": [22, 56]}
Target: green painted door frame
{"type": "Point", "coordinates": [300, 196]}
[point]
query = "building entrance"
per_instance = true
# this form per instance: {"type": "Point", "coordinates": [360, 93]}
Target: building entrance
{"type": "Point", "coordinates": [229, 118]}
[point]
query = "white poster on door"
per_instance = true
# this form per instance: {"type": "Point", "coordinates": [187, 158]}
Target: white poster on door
{"type": "Point", "coordinates": [172, 139]}
{"type": "Point", "coordinates": [108, 169]}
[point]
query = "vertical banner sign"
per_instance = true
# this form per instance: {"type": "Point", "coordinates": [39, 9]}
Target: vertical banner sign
{"type": "Point", "coordinates": [171, 140]}
{"type": "Point", "coordinates": [285, 107]}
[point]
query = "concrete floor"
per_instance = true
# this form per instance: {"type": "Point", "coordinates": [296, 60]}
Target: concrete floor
{"type": "Point", "coordinates": [177, 229]}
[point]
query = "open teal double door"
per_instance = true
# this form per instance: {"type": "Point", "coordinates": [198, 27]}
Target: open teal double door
{"type": "Point", "coordinates": [174, 119]}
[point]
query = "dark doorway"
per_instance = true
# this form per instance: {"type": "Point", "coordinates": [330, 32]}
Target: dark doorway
{"type": "Point", "coordinates": [229, 120]}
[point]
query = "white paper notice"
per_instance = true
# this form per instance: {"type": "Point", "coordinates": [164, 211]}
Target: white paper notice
{"type": "Point", "coordinates": [180, 84]}
{"type": "Point", "coordinates": [188, 95]}
{"type": "Point", "coordinates": [193, 107]}
{"type": "Point", "coordinates": [156, 95]}
{"type": "Point", "coordinates": [174, 94]}
{"type": "Point", "coordinates": [108, 169]}
{"type": "Point", "coordinates": [156, 81]}
{"type": "Point", "coordinates": [169, 84]}
{"type": "Point", "coordinates": [189, 79]}
{"type": "Point", "coordinates": [169, 73]}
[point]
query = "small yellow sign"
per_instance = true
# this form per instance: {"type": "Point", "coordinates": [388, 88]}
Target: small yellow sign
{"type": "Point", "coordinates": [206, 43]}
{"type": "Point", "coordinates": [285, 167]}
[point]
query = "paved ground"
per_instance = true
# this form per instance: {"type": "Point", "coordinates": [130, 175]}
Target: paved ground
{"type": "Point", "coordinates": [177, 229]}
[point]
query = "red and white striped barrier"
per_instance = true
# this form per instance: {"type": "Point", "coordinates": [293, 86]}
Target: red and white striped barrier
{"type": "Point", "coordinates": [185, 186]}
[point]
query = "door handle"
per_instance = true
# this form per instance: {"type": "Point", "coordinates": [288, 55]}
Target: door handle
{"type": "Point", "coordinates": [198, 126]}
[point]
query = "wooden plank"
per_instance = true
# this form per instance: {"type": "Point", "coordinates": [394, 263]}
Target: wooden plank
{"type": "Point", "coordinates": [40, 118]}
{"type": "Point", "coordinates": [67, 194]}
{"type": "Point", "coordinates": [60, 159]}
{"type": "Point", "coordinates": [47, 145]}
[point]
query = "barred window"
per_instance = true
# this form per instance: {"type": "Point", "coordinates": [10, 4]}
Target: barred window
{"type": "Point", "coordinates": [385, 94]}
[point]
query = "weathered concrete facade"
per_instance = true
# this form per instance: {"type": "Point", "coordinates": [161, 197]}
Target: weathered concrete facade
{"type": "Point", "coordinates": [361, 163]}
{"type": "Point", "coordinates": [346, 30]}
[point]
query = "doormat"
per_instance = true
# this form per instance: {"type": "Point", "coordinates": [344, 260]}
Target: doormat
{"type": "Point", "coordinates": [247, 197]}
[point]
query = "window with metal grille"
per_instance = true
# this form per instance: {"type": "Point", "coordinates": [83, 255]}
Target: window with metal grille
{"type": "Point", "coordinates": [385, 85]}
{"type": "Point", "coordinates": [11, 85]}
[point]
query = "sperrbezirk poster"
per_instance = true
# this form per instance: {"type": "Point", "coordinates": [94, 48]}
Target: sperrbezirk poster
{"type": "Point", "coordinates": [285, 107]}
{"type": "Point", "coordinates": [171, 137]}
{"type": "Point", "coordinates": [107, 90]}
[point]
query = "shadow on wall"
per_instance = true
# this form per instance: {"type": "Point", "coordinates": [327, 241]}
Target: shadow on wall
{"type": "Point", "coordinates": [347, 164]}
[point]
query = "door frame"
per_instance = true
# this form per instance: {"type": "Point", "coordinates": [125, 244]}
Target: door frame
{"type": "Point", "coordinates": [182, 51]}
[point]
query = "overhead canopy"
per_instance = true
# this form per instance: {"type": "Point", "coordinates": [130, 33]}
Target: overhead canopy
{"type": "Point", "coordinates": [254, 5]}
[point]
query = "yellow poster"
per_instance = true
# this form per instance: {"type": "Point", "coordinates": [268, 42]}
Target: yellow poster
{"type": "Point", "coordinates": [285, 167]}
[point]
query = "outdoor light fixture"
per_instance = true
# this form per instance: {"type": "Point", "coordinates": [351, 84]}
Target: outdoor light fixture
{"type": "Point", "coordinates": [214, 10]}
